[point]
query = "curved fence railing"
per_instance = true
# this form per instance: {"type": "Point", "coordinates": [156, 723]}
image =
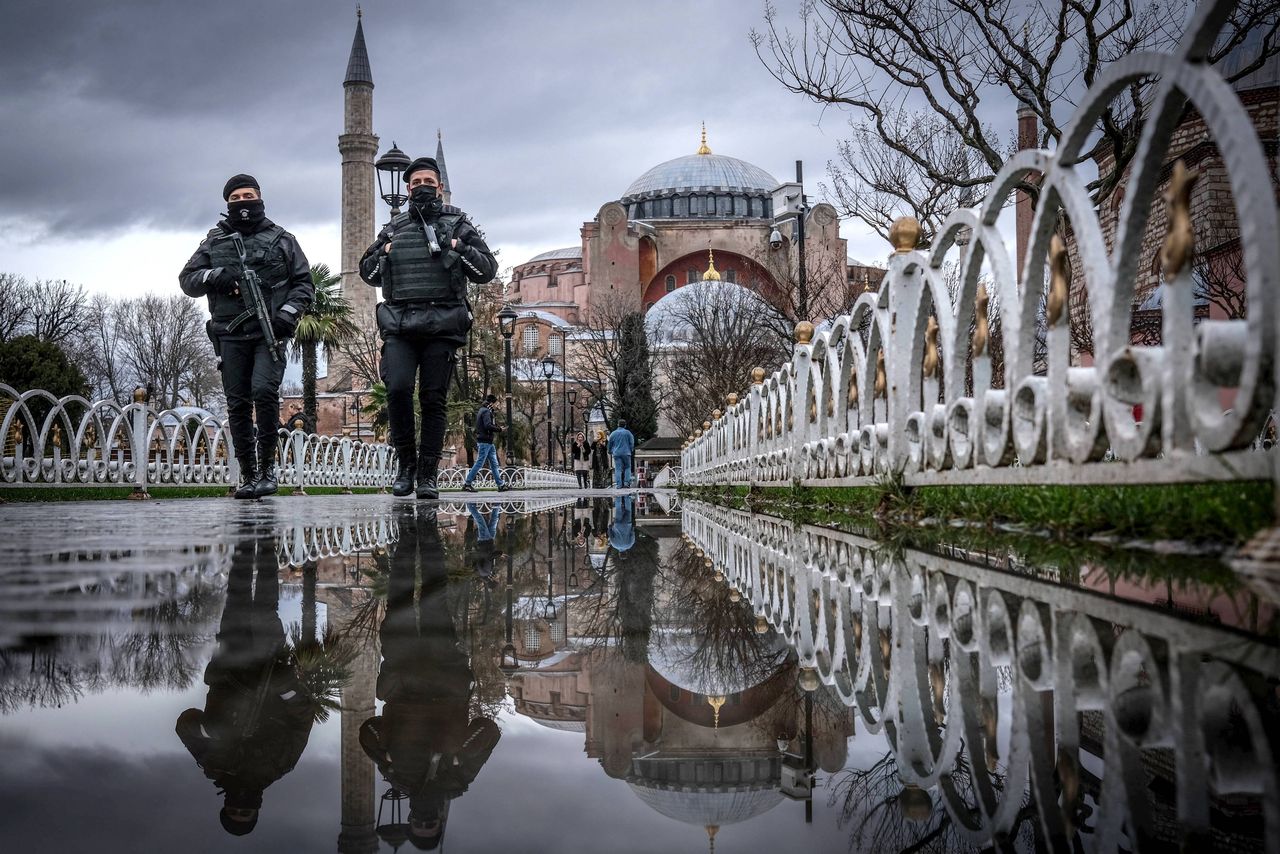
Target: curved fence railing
{"type": "Point", "coordinates": [1116, 724]}
{"type": "Point", "coordinates": [74, 441]}
{"type": "Point", "coordinates": [904, 382]}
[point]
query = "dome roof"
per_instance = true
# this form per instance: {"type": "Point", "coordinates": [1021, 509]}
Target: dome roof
{"type": "Point", "coordinates": [676, 656]}
{"type": "Point", "coordinates": [702, 172]}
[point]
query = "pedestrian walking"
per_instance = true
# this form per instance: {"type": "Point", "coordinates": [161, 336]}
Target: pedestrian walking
{"type": "Point", "coordinates": [622, 444]}
{"type": "Point", "coordinates": [486, 449]}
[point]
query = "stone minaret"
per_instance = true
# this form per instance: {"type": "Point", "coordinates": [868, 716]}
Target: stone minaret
{"type": "Point", "coordinates": [358, 146]}
{"type": "Point", "coordinates": [445, 186]}
{"type": "Point", "coordinates": [1028, 137]}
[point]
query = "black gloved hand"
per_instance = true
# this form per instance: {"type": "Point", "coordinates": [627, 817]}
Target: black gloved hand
{"type": "Point", "coordinates": [286, 321]}
{"type": "Point", "coordinates": [221, 281]}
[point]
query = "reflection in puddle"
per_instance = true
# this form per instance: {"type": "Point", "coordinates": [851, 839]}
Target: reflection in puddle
{"type": "Point", "coordinates": [728, 676]}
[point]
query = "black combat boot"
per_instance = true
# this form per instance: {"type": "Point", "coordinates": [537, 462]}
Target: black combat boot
{"type": "Point", "coordinates": [403, 484]}
{"type": "Point", "coordinates": [427, 478]}
{"type": "Point", "coordinates": [267, 483]}
{"type": "Point", "coordinates": [248, 477]}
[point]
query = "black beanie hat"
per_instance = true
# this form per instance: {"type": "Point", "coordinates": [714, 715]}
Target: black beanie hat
{"type": "Point", "coordinates": [421, 163]}
{"type": "Point", "coordinates": [237, 182]}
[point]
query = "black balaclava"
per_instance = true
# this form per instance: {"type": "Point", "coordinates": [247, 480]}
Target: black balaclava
{"type": "Point", "coordinates": [247, 215]}
{"type": "Point", "coordinates": [427, 200]}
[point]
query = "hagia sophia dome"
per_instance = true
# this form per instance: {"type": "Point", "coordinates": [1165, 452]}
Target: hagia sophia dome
{"type": "Point", "coordinates": [705, 185]}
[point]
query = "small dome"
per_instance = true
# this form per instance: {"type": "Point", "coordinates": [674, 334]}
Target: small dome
{"type": "Point", "coordinates": [569, 252]}
{"type": "Point", "coordinates": [702, 172]}
{"type": "Point", "coordinates": [667, 322]}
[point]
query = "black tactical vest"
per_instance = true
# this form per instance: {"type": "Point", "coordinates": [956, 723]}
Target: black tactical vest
{"type": "Point", "coordinates": [263, 254]}
{"type": "Point", "coordinates": [410, 273]}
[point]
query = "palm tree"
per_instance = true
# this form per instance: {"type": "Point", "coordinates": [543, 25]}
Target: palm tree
{"type": "Point", "coordinates": [326, 324]}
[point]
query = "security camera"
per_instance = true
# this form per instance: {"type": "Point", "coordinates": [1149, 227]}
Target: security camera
{"type": "Point", "coordinates": [775, 240]}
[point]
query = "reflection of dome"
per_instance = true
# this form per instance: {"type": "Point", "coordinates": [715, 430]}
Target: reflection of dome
{"type": "Point", "coordinates": [667, 321]}
{"type": "Point", "coordinates": [708, 808]}
{"type": "Point", "coordinates": [563, 725]}
{"type": "Point", "coordinates": [675, 656]}
{"type": "Point", "coordinates": [701, 172]}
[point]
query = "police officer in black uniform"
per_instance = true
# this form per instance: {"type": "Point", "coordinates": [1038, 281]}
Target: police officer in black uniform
{"type": "Point", "coordinates": [422, 260]}
{"type": "Point", "coordinates": [250, 376]}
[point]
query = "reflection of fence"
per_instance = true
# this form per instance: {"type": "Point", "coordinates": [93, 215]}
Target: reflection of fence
{"type": "Point", "coordinates": [72, 441]}
{"type": "Point", "coordinates": [1014, 684]}
{"type": "Point", "coordinates": [903, 383]}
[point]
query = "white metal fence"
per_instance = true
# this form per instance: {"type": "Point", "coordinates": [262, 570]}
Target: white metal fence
{"type": "Point", "coordinates": [1104, 700]}
{"type": "Point", "coordinates": [903, 383]}
{"type": "Point", "coordinates": [50, 441]}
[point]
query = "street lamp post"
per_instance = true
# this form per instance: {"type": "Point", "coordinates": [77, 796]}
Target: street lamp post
{"type": "Point", "coordinates": [507, 325]}
{"type": "Point", "coordinates": [355, 410]}
{"type": "Point", "coordinates": [392, 165]}
{"type": "Point", "coordinates": [801, 273]}
{"type": "Point", "coordinates": [548, 369]}
{"type": "Point", "coordinates": [573, 415]}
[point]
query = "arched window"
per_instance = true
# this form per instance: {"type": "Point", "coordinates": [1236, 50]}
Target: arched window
{"type": "Point", "coordinates": [682, 206]}
{"type": "Point", "coordinates": [671, 283]}
{"type": "Point", "coordinates": [691, 275]}
{"type": "Point", "coordinates": [530, 340]}
{"type": "Point", "coordinates": [731, 276]}
{"type": "Point", "coordinates": [532, 639]}
{"type": "Point", "coordinates": [557, 633]}
{"type": "Point", "coordinates": [555, 344]}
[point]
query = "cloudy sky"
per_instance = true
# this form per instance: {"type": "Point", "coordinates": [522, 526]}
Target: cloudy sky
{"type": "Point", "coordinates": [123, 119]}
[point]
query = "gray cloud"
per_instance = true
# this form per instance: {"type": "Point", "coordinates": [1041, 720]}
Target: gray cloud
{"type": "Point", "coordinates": [130, 115]}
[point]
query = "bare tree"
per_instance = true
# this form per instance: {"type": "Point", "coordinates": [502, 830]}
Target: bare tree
{"type": "Point", "coordinates": [914, 72]}
{"type": "Point", "coordinates": [15, 306]}
{"type": "Point", "coordinates": [708, 342]}
{"type": "Point", "coordinates": [361, 354]}
{"type": "Point", "coordinates": [98, 352]}
{"type": "Point", "coordinates": [164, 347]}
{"type": "Point", "coordinates": [596, 358]}
{"type": "Point", "coordinates": [58, 310]}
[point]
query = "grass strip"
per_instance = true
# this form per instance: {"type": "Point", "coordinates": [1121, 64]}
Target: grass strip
{"type": "Point", "coordinates": [1227, 512]}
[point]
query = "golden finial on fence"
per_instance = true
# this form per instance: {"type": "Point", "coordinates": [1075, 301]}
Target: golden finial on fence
{"type": "Point", "coordinates": [981, 329]}
{"type": "Point", "coordinates": [931, 347]}
{"type": "Point", "coordinates": [1179, 243]}
{"type": "Point", "coordinates": [757, 376]}
{"type": "Point", "coordinates": [882, 381]}
{"type": "Point", "coordinates": [904, 234]}
{"type": "Point", "coordinates": [1059, 280]}
{"type": "Point", "coordinates": [804, 332]}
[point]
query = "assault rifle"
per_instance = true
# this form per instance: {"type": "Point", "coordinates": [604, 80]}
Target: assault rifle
{"type": "Point", "coordinates": [255, 304]}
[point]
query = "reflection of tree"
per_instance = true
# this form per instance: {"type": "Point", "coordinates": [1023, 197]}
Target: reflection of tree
{"type": "Point", "coordinates": [725, 640]}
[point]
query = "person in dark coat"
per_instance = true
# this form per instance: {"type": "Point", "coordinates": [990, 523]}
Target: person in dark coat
{"type": "Point", "coordinates": [423, 260]}
{"type": "Point", "coordinates": [486, 452]}
{"type": "Point", "coordinates": [425, 743]}
{"type": "Point", "coordinates": [600, 460]}
{"type": "Point", "coordinates": [251, 372]}
{"type": "Point", "coordinates": [257, 716]}
{"type": "Point", "coordinates": [583, 453]}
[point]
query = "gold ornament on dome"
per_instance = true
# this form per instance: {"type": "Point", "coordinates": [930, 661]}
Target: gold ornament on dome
{"type": "Point", "coordinates": [703, 149]}
{"type": "Point", "coordinates": [712, 274]}
{"type": "Point", "coordinates": [904, 234]}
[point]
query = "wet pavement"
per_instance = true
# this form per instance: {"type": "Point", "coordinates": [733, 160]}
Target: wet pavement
{"type": "Point", "coordinates": [546, 672]}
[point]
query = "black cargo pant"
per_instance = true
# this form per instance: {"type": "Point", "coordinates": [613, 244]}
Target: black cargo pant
{"type": "Point", "coordinates": [251, 381]}
{"type": "Point", "coordinates": [429, 362]}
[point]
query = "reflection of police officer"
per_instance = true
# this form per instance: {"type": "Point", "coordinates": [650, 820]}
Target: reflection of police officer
{"type": "Point", "coordinates": [257, 716]}
{"type": "Point", "coordinates": [423, 260]}
{"type": "Point", "coordinates": [424, 743]}
{"type": "Point", "coordinates": [250, 376]}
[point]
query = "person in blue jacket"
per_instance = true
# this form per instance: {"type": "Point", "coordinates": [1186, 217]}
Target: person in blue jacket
{"type": "Point", "coordinates": [622, 444]}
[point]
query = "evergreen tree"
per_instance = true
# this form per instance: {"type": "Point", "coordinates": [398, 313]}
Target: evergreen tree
{"type": "Point", "coordinates": [635, 380]}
